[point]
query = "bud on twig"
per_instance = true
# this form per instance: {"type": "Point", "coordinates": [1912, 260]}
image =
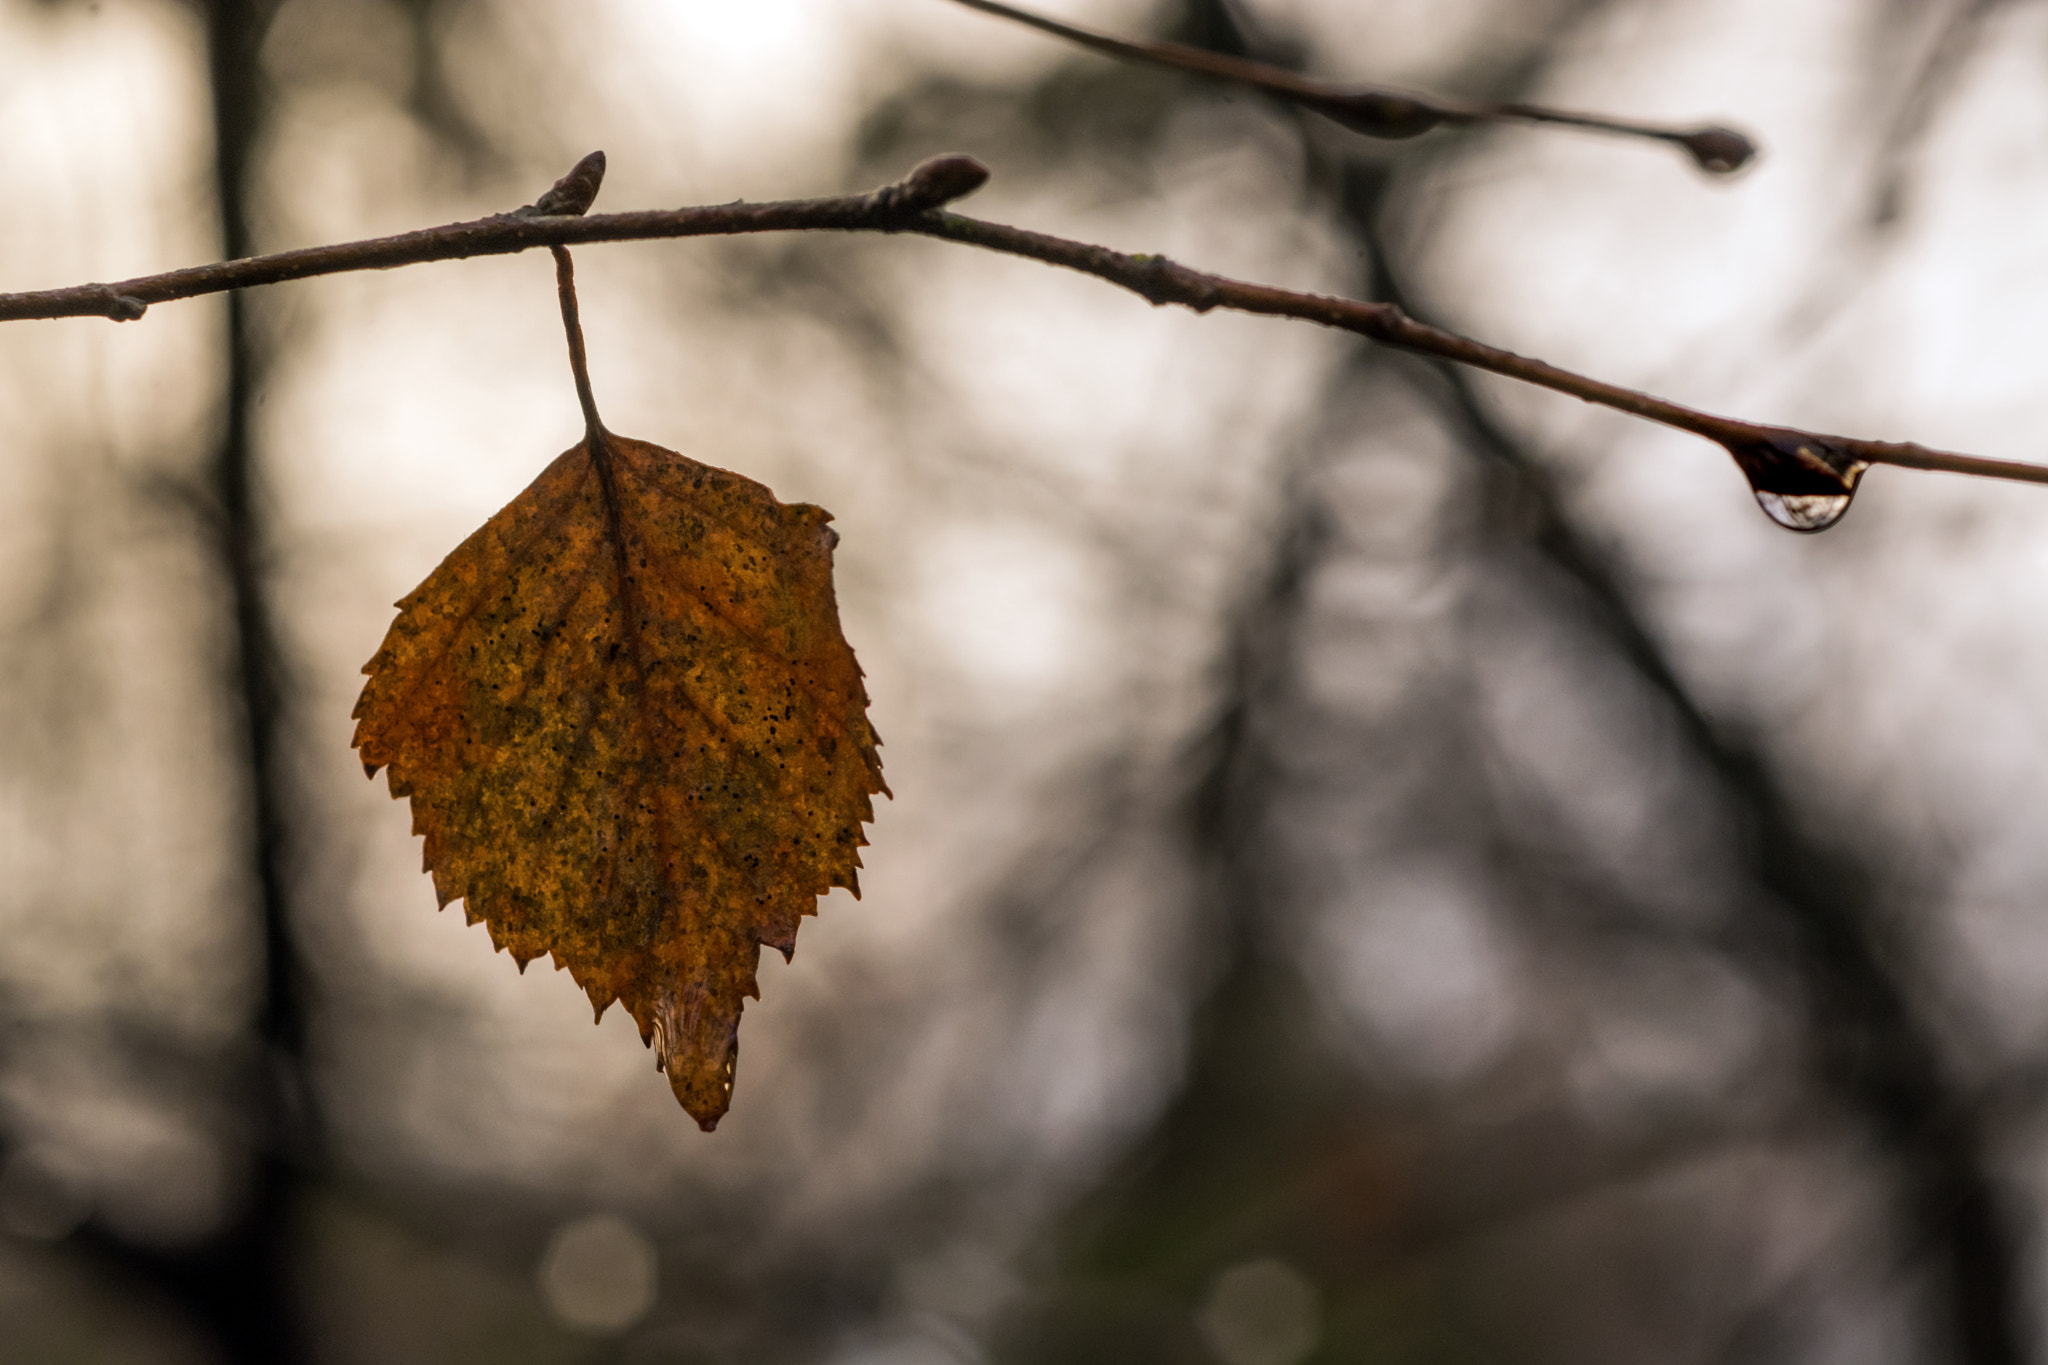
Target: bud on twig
{"type": "Point", "coordinates": [932, 184]}
{"type": "Point", "coordinates": [573, 194]}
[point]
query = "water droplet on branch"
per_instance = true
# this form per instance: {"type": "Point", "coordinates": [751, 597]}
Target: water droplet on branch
{"type": "Point", "coordinates": [1803, 512]}
{"type": "Point", "coordinates": [1802, 481]}
{"type": "Point", "coordinates": [1377, 114]}
{"type": "Point", "coordinates": [1717, 150]}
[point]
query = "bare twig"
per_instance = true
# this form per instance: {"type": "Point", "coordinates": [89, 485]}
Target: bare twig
{"type": "Point", "coordinates": [1377, 111]}
{"type": "Point", "coordinates": [1954, 44]}
{"type": "Point", "coordinates": [1781, 462]}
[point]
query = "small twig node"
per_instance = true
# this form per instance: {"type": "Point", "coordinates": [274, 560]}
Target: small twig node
{"type": "Point", "coordinates": [121, 307]}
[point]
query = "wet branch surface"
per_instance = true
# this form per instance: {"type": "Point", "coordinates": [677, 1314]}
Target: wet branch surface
{"type": "Point", "coordinates": [1786, 463]}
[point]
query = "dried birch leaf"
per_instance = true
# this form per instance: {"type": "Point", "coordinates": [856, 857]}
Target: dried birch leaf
{"type": "Point", "coordinates": [634, 737]}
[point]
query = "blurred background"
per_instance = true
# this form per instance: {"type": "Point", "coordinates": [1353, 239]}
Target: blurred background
{"type": "Point", "coordinates": [1386, 865]}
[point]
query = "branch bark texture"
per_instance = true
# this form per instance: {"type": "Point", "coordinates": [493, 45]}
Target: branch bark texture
{"type": "Point", "coordinates": [1776, 459]}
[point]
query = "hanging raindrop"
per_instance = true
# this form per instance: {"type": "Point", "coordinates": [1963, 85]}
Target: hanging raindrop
{"type": "Point", "coordinates": [1802, 481]}
{"type": "Point", "coordinates": [1803, 511]}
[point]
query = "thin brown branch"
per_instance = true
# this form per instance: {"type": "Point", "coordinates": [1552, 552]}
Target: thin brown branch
{"type": "Point", "coordinates": [1378, 111]}
{"type": "Point", "coordinates": [1780, 461]}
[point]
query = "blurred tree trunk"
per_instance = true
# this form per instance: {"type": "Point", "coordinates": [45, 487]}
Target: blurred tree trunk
{"type": "Point", "coordinates": [240, 1285]}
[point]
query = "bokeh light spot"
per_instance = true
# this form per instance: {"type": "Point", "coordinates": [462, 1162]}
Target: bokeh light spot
{"type": "Point", "coordinates": [1262, 1312]}
{"type": "Point", "coordinates": [598, 1274]}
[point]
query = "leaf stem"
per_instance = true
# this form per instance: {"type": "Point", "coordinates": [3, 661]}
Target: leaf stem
{"type": "Point", "coordinates": [911, 205]}
{"type": "Point", "coordinates": [579, 362]}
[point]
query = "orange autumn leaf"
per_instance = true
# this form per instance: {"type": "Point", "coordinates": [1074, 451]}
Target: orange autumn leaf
{"type": "Point", "coordinates": [634, 737]}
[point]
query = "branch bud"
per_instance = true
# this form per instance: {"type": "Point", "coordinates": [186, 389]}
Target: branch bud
{"type": "Point", "coordinates": [932, 184]}
{"type": "Point", "coordinates": [123, 307]}
{"type": "Point", "coordinates": [573, 194]}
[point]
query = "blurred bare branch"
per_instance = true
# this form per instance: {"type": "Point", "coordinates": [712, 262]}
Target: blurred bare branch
{"type": "Point", "coordinates": [1377, 112]}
